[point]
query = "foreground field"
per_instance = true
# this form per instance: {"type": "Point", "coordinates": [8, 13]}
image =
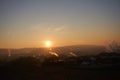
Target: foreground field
{"type": "Point", "coordinates": [32, 70]}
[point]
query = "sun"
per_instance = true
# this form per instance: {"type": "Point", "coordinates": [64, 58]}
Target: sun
{"type": "Point", "coordinates": [48, 43]}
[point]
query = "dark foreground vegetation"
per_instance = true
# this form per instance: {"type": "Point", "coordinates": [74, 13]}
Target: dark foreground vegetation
{"type": "Point", "coordinates": [105, 66]}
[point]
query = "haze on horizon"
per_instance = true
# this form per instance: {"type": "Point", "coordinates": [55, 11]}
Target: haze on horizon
{"type": "Point", "coordinates": [29, 23]}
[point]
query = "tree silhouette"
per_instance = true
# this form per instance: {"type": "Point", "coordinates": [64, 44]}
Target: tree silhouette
{"type": "Point", "coordinates": [114, 47]}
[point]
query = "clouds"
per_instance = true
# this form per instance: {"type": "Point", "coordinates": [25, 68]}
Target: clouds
{"type": "Point", "coordinates": [46, 28]}
{"type": "Point", "coordinates": [48, 31]}
{"type": "Point", "coordinates": [57, 28]}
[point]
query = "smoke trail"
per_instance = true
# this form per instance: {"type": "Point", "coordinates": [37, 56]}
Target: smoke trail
{"type": "Point", "coordinates": [53, 53]}
{"type": "Point", "coordinates": [71, 53]}
{"type": "Point", "coordinates": [9, 53]}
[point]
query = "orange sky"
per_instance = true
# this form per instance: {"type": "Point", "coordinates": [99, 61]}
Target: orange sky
{"type": "Point", "coordinates": [64, 22]}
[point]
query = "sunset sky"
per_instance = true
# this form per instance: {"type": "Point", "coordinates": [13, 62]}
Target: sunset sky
{"type": "Point", "coordinates": [29, 23]}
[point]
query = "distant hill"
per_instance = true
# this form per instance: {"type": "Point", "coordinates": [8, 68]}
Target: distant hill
{"type": "Point", "coordinates": [78, 50]}
{"type": "Point", "coordinates": [81, 49]}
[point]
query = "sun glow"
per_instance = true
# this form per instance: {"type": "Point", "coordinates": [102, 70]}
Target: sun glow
{"type": "Point", "coordinates": [48, 43]}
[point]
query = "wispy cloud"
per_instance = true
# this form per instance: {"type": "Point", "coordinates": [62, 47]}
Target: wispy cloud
{"type": "Point", "coordinates": [48, 28]}
{"type": "Point", "coordinates": [59, 29]}
{"type": "Point", "coordinates": [56, 28]}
